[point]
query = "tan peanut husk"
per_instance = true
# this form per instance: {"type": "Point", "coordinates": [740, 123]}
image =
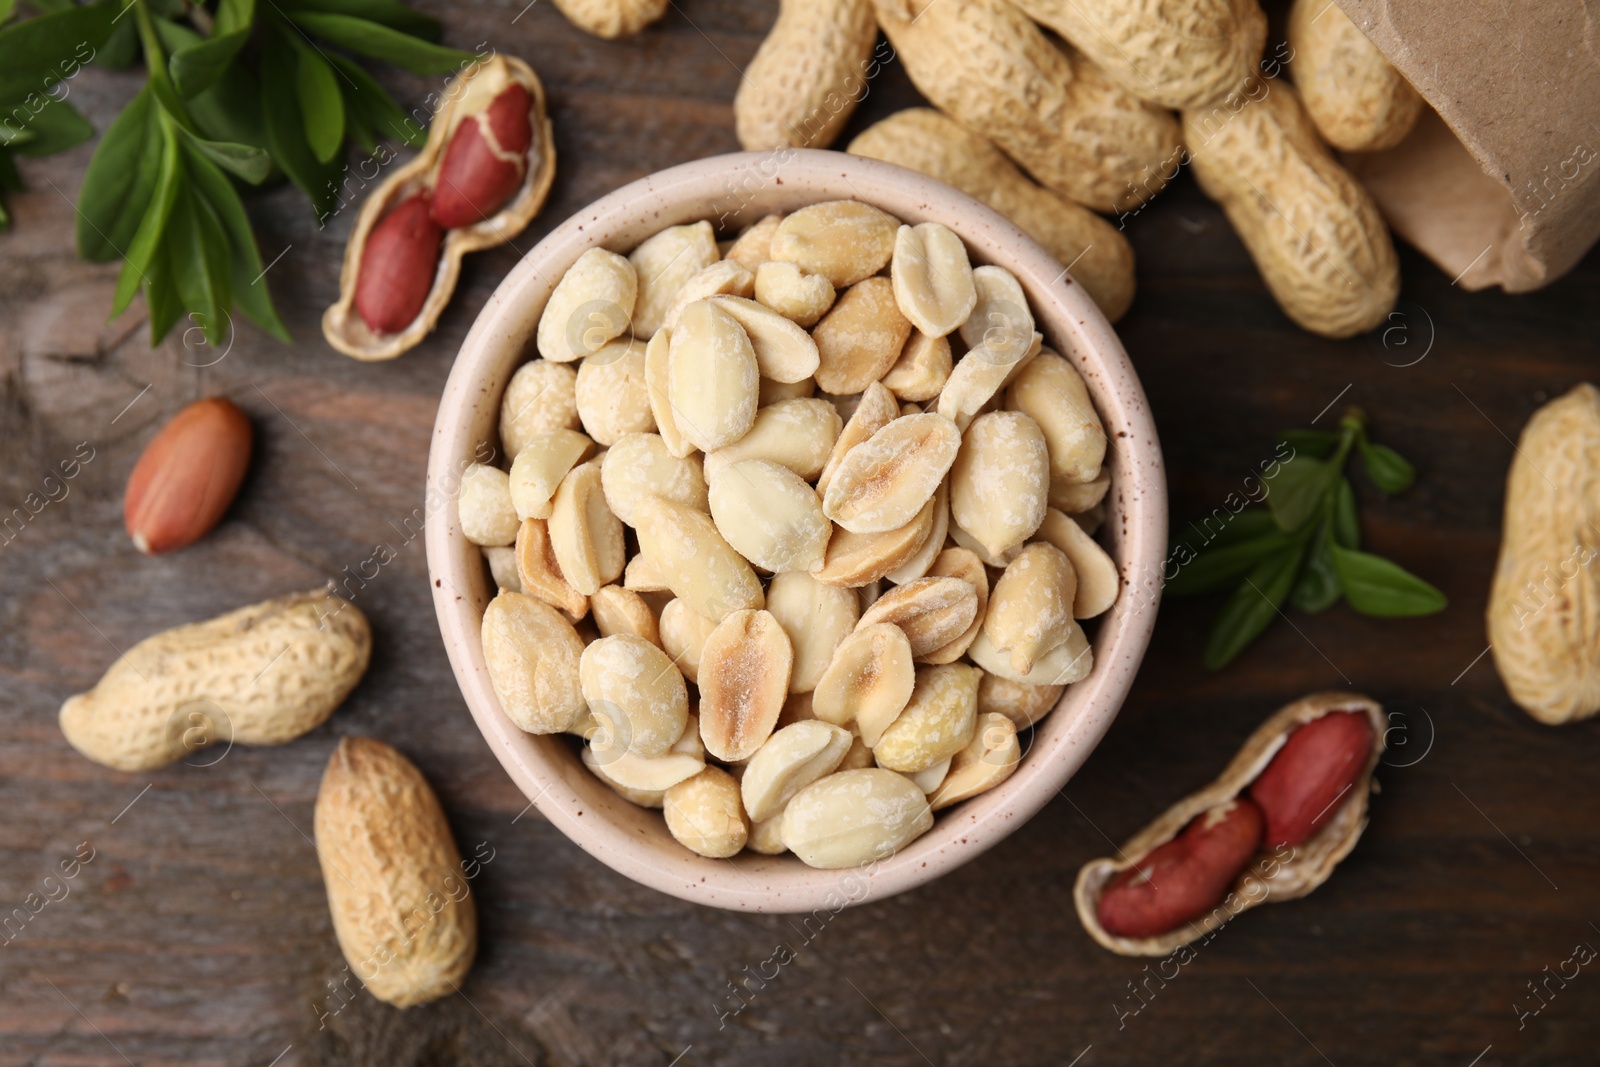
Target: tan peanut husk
{"type": "Point", "coordinates": [260, 675]}
{"type": "Point", "coordinates": [342, 325]}
{"type": "Point", "coordinates": [1311, 862]}
{"type": "Point", "coordinates": [399, 899]}
{"type": "Point", "coordinates": [818, 50]}
{"type": "Point", "coordinates": [1544, 625]}
{"type": "Point", "coordinates": [611, 18]}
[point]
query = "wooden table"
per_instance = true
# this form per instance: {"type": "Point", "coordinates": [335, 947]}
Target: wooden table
{"type": "Point", "coordinates": [199, 934]}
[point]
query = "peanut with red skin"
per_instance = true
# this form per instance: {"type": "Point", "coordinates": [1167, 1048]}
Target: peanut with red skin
{"type": "Point", "coordinates": [187, 476]}
{"type": "Point", "coordinates": [397, 266]}
{"type": "Point", "coordinates": [1311, 774]}
{"type": "Point", "coordinates": [476, 180]}
{"type": "Point", "coordinates": [1186, 877]}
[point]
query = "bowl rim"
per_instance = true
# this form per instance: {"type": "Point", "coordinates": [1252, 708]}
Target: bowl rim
{"type": "Point", "coordinates": [544, 768]}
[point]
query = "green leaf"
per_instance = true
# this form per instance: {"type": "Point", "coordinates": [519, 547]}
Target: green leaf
{"type": "Point", "coordinates": [364, 97]}
{"type": "Point", "coordinates": [321, 105]}
{"type": "Point", "coordinates": [1318, 587]}
{"type": "Point", "coordinates": [161, 296]}
{"type": "Point", "coordinates": [6, 7]}
{"type": "Point", "coordinates": [249, 285]}
{"type": "Point", "coordinates": [1297, 493]}
{"type": "Point", "coordinates": [248, 162]}
{"type": "Point", "coordinates": [1219, 568]}
{"type": "Point", "coordinates": [197, 67]}
{"type": "Point", "coordinates": [175, 37]}
{"type": "Point", "coordinates": [1376, 586]}
{"type": "Point", "coordinates": [384, 12]}
{"type": "Point", "coordinates": [1346, 529]}
{"type": "Point", "coordinates": [55, 127]}
{"type": "Point", "coordinates": [234, 15]}
{"type": "Point", "coordinates": [1388, 471]}
{"type": "Point", "coordinates": [231, 109]}
{"type": "Point", "coordinates": [1318, 444]}
{"type": "Point", "coordinates": [122, 47]}
{"type": "Point", "coordinates": [1253, 606]}
{"type": "Point", "coordinates": [45, 42]}
{"type": "Point", "coordinates": [50, 5]}
{"type": "Point", "coordinates": [286, 135]}
{"type": "Point", "coordinates": [120, 181]}
{"type": "Point", "coordinates": [380, 42]}
{"type": "Point", "coordinates": [198, 254]}
{"type": "Point", "coordinates": [147, 239]}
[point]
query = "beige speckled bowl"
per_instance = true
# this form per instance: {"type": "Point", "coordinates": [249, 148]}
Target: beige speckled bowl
{"type": "Point", "coordinates": [733, 190]}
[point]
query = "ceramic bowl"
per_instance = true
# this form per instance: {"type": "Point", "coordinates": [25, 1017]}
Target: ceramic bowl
{"type": "Point", "coordinates": [733, 190]}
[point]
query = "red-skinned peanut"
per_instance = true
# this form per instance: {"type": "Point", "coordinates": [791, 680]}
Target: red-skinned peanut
{"type": "Point", "coordinates": [485, 161]}
{"type": "Point", "coordinates": [187, 476]}
{"type": "Point", "coordinates": [1311, 775]}
{"type": "Point", "coordinates": [397, 266]}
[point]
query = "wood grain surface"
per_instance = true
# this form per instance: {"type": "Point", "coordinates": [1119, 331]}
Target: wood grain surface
{"type": "Point", "coordinates": [198, 933]}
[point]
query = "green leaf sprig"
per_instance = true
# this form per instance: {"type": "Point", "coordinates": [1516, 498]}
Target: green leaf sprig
{"type": "Point", "coordinates": [1303, 548]}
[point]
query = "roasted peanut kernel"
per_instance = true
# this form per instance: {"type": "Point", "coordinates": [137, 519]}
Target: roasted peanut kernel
{"type": "Point", "coordinates": [1023, 704]}
{"type": "Point", "coordinates": [972, 544]}
{"type": "Point", "coordinates": [917, 565]}
{"type": "Point", "coordinates": [868, 682]}
{"type": "Point", "coordinates": [635, 694]}
{"type": "Point", "coordinates": [859, 756]}
{"type": "Point", "coordinates": [585, 535]}
{"type": "Point", "coordinates": [975, 383]}
{"type": "Point", "coordinates": [933, 283]}
{"type": "Point", "coordinates": [657, 359]}
{"type": "Point", "coordinates": [640, 465]}
{"type": "Point", "coordinates": [860, 338]}
{"type": "Point", "coordinates": [887, 479]}
{"type": "Point", "coordinates": [622, 611]}
{"type": "Point", "coordinates": [766, 836]}
{"type": "Point", "coordinates": [857, 559]}
{"type": "Point", "coordinates": [502, 563]}
{"type": "Point", "coordinates": [937, 721]}
{"type": "Point", "coordinates": [1075, 498]}
{"type": "Point", "coordinates": [539, 572]}
{"type": "Point", "coordinates": [852, 817]}
{"type": "Point", "coordinates": [842, 240]}
{"type": "Point", "coordinates": [922, 369]}
{"type": "Point", "coordinates": [798, 434]}
{"type": "Point", "coordinates": [1050, 390]}
{"type": "Point", "coordinates": [932, 612]}
{"type": "Point", "coordinates": [799, 297]}
{"type": "Point", "coordinates": [816, 617]}
{"type": "Point", "coordinates": [642, 779]}
{"type": "Point", "coordinates": [484, 506]}
{"type": "Point", "coordinates": [930, 779]}
{"type": "Point", "coordinates": [1000, 481]}
{"type": "Point", "coordinates": [641, 576]}
{"type": "Point", "coordinates": [875, 410]}
{"type": "Point", "coordinates": [591, 305]}
{"type": "Point", "coordinates": [705, 814]}
{"type": "Point", "coordinates": [784, 351]}
{"type": "Point", "coordinates": [541, 397]}
{"type": "Point", "coordinates": [664, 263]}
{"type": "Point", "coordinates": [771, 392]}
{"type": "Point", "coordinates": [683, 635]}
{"type": "Point", "coordinates": [770, 517]}
{"type": "Point", "coordinates": [965, 564]}
{"type": "Point", "coordinates": [791, 759]}
{"type": "Point", "coordinates": [723, 278]}
{"type": "Point", "coordinates": [698, 566]}
{"type": "Point", "coordinates": [539, 467]}
{"type": "Point", "coordinates": [797, 708]}
{"type": "Point", "coordinates": [743, 679]}
{"type": "Point", "coordinates": [1030, 611]}
{"type": "Point", "coordinates": [754, 245]}
{"type": "Point", "coordinates": [1000, 321]}
{"type": "Point", "coordinates": [612, 399]}
{"type": "Point", "coordinates": [989, 759]}
{"type": "Point", "coordinates": [712, 379]}
{"type": "Point", "coordinates": [1098, 581]}
{"type": "Point", "coordinates": [1068, 662]}
{"type": "Point", "coordinates": [531, 654]}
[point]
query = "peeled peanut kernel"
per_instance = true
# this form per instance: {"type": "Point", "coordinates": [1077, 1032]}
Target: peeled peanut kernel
{"type": "Point", "coordinates": [933, 282]}
{"type": "Point", "coordinates": [868, 682]}
{"type": "Point", "coordinates": [842, 240]}
{"type": "Point", "coordinates": [664, 263]}
{"type": "Point", "coordinates": [539, 468]}
{"type": "Point", "coordinates": [860, 338]}
{"type": "Point", "coordinates": [612, 399]}
{"type": "Point", "coordinates": [856, 559]}
{"type": "Point", "coordinates": [1030, 610]}
{"type": "Point", "coordinates": [917, 565]}
{"type": "Point", "coordinates": [769, 516]}
{"type": "Point", "coordinates": [797, 708]}
{"type": "Point", "coordinates": [884, 481]}
{"type": "Point", "coordinates": [869, 594]}
{"type": "Point", "coordinates": [1000, 320]}
{"type": "Point", "coordinates": [585, 536]}
{"type": "Point", "coordinates": [640, 465]}
{"type": "Point", "coordinates": [635, 694]}
{"type": "Point", "coordinates": [743, 679]}
{"type": "Point", "coordinates": [791, 759]}
{"type": "Point", "coordinates": [622, 611]}
{"type": "Point", "coordinates": [798, 434]}
{"type": "Point", "coordinates": [875, 410]}
{"type": "Point", "coordinates": [754, 246]}
{"type": "Point", "coordinates": [1000, 481]}
{"type": "Point", "coordinates": [1023, 704]}
{"type": "Point", "coordinates": [539, 572]}
{"type": "Point", "coordinates": [657, 358]}
{"type": "Point", "coordinates": [725, 277]}
{"type": "Point", "coordinates": [1098, 581]}
{"type": "Point", "coordinates": [503, 567]}
{"type": "Point", "coordinates": [705, 814]}
{"type": "Point", "coordinates": [799, 297]}
{"type": "Point", "coordinates": [641, 576]}
{"type": "Point", "coordinates": [937, 721]}
{"type": "Point", "coordinates": [540, 397]}
{"type": "Point", "coordinates": [1071, 661]}
{"type": "Point", "coordinates": [853, 817]}
{"type": "Point", "coordinates": [989, 759]}
{"type": "Point", "coordinates": [974, 384]}
{"type": "Point", "coordinates": [932, 612]}
{"type": "Point", "coordinates": [766, 836]}
{"type": "Point", "coordinates": [784, 351]}
{"type": "Point", "coordinates": [683, 635]}
{"type": "Point", "coordinates": [771, 392]}
{"type": "Point", "coordinates": [532, 654]}
{"type": "Point", "coordinates": [1050, 390]}
{"type": "Point", "coordinates": [816, 617]}
{"type": "Point", "coordinates": [484, 506]}
{"type": "Point", "coordinates": [591, 305]}
{"type": "Point", "coordinates": [698, 566]}
{"type": "Point", "coordinates": [922, 369]}
{"type": "Point", "coordinates": [1075, 498]}
{"type": "Point", "coordinates": [859, 756]}
{"type": "Point", "coordinates": [711, 377]}
{"type": "Point", "coordinates": [643, 779]}
{"type": "Point", "coordinates": [929, 780]}
{"type": "Point", "coordinates": [972, 544]}
{"type": "Point", "coordinates": [964, 564]}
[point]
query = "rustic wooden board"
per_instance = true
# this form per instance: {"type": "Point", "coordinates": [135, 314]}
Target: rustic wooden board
{"type": "Point", "coordinates": [198, 932]}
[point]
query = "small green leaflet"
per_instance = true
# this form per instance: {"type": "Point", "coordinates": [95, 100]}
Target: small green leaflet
{"type": "Point", "coordinates": [1375, 586]}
